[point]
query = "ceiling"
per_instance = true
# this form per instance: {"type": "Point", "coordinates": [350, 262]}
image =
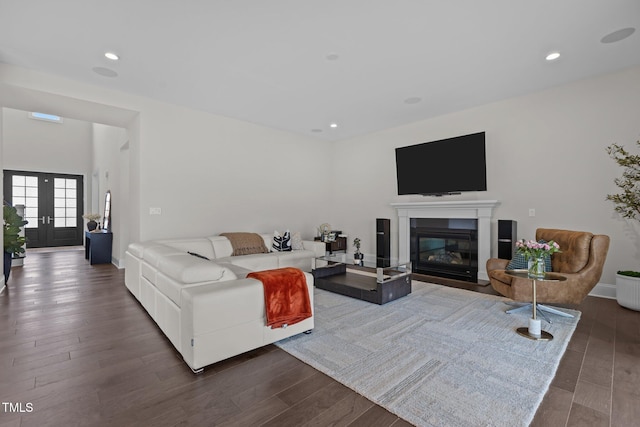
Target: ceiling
{"type": "Point", "coordinates": [300, 65]}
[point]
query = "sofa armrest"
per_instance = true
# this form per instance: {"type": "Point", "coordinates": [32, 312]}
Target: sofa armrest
{"type": "Point", "coordinates": [319, 248]}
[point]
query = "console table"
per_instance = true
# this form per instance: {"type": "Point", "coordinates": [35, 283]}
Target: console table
{"type": "Point", "coordinates": [97, 246]}
{"type": "Point", "coordinates": [340, 244]}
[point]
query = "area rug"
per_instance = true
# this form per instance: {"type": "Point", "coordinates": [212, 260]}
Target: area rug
{"type": "Point", "coordinates": [438, 357]}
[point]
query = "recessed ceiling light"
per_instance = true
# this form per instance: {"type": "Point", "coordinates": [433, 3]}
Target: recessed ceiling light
{"type": "Point", "coordinates": [332, 57]}
{"type": "Point", "coordinates": [112, 56]}
{"type": "Point", "coordinates": [333, 125]}
{"type": "Point", "coordinates": [616, 36]}
{"type": "Point", "coordinates": [553, 56]}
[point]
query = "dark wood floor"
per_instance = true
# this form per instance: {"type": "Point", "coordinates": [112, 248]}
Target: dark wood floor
{"type": "Point", "coordinates": [77, 349]}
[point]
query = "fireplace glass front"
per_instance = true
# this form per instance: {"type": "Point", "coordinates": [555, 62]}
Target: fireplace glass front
{"type": "Point", "coordinates": [440, 249]}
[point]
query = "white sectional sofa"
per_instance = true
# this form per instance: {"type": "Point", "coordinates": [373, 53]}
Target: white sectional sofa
{"type": "Point", "coordinates": [208, 309]}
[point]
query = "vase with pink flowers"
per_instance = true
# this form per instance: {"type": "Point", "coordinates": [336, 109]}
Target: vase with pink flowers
{"type": "Point", "coordinates": [535, 253]}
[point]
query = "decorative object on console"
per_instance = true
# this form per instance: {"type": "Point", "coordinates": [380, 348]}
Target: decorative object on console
{"type": "Point", "coordinates": [357, 256]}
{"type": "Point", "coordinates": [281, 242]}
{"type": "Point", "coordinates": [334, 241]}
{"type": "Point", "coordinates": [323, 231]}
{"type": "Point", "coordinates": [91, 220]}
{"type": "Point", "coordinates": [246, 243]}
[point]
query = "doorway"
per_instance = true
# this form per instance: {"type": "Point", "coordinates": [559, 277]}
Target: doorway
{"type": "Point", "coordinates": [53, 206]}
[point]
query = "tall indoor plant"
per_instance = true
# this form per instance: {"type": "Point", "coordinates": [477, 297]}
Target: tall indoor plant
{"type": "Point", "coordinates": [627, 204]}
{"type": "Point", "coordinates": [13, 242]}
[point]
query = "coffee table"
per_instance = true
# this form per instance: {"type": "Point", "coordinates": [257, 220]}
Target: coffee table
{"type": "Point", "coordinates": [380, 285]}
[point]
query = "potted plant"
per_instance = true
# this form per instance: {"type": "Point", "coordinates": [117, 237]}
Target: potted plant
{"type": "Point", "coordinates": [13, 242]}
{"type": "Point", "coordinates": [91, 220]}
{"type": "Point", "coordinates": [627, 204]}
{"type": "Point", "coordinates": [357, 255]}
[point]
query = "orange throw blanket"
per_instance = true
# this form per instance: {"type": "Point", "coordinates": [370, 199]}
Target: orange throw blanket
{"type": "Point", "coordinates": [286, 296]}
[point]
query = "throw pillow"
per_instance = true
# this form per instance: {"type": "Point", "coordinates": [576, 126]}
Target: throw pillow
{"type": "Point", "coordinates": [296, 241]}
{"type": "Point", "coordinates": [281, 243]}
{"type": "Point", "coordinates": [519, 262]}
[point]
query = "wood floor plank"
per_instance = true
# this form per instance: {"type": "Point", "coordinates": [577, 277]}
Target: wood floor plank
{"type": "Point", "coordinates": [343, 413]}
{"type": "Point", "coordinates": [376, 416]}
{"type": "Point", "coordinates": [554, 409]}
{"type": "Point", "coordinates": [309, 408]}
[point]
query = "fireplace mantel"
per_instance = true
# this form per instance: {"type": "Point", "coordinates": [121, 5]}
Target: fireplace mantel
{"type": "Point", "coordinates": [482, 210]}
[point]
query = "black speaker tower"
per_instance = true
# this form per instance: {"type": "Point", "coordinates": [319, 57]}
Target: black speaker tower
{"type": "Point", "coordinates": [507, 236]}
{"type": "Point", "coordinates": [383, 242]}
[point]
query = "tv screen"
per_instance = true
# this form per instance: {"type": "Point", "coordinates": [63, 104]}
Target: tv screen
{"type": "Point", "coordinates": [442, 167]}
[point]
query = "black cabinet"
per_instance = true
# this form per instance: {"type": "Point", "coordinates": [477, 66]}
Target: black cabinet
{"type": "Point", "coordinates": [97, 246]}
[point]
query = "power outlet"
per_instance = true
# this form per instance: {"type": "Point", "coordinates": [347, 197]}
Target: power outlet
{"type": "Point", "coordinates": [155, 211]}
{"type": "Point", "coordinates": [532, 212]}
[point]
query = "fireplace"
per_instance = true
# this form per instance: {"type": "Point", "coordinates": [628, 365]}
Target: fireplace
{"type": "Point", "coordinates": [445, 247]}
{"type": "Point", "coordinates": [480, 210]}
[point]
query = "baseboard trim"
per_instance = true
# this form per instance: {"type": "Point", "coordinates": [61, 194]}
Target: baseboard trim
{"type": "Point", "coordinates": [604, 290]}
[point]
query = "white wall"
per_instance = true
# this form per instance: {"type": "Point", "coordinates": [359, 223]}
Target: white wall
{"type": "Point", "coordinates": [544, 151]}
{"type": "Point", "coordinates": [36, 145]}
{"type": "Point", "coordinates": [107, 148]}
{"type": "Point", "coordinates": [207, 173]}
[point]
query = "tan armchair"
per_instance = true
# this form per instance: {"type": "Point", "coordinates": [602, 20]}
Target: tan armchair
{"type": "Point", "coordinates": [581, 261]}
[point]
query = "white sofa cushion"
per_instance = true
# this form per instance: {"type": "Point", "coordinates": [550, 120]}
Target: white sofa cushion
{"type": "Point", "coordinates": [255, 262]}
{"type": "Point", "coordinates": [188, 269]}
{"type": "Point", "coordinates": [201, 246]}
{"type": "Point", "coordinates": [137, 249]}
{"type": "Point", "coordinates": [154, 255]}
{"type": "Point", "coordinates": [284, 258]}
{"type": "Point", "coordinates": [221, 246]}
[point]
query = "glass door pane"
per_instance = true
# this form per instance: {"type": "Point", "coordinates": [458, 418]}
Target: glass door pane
{"type": "Point", "coordinates": [25, 192]}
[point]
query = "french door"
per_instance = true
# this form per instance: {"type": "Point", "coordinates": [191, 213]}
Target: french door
{"type": "Point", "coordinates": [53, 206]}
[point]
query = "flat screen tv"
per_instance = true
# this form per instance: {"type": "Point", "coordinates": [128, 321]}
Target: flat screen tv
{"type": "Point", "coordinates": [448, 166]}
